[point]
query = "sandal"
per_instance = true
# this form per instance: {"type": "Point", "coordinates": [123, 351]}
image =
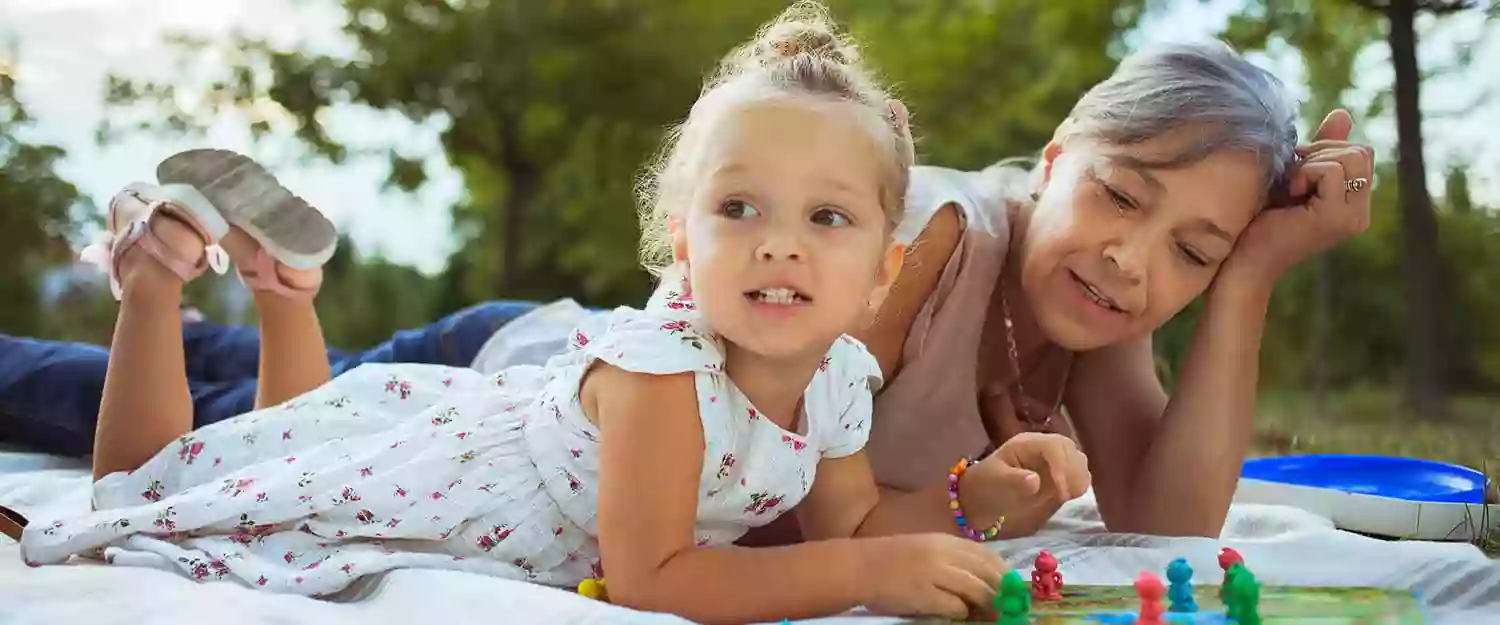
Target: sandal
{"type": "Point", "coordinates": [290, 231]}
{"type": "Point", "coordinates": [128, 224]}
{"type": "Point", "coordinates": [11, 523]}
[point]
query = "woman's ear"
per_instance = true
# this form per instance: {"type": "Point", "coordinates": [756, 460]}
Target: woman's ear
{"type": "Point", "coordinates": [1049, 157]}
{"type": "Point", "coordinates": [1054, 149]}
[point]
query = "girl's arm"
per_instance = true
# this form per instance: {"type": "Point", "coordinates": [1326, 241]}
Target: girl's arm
{"type": "Point", "coordinates": [651, 460]}
{"type": "Point", "coordinates": [1141, 442]}
{"type": "Point", "coordinates": [844, 501]}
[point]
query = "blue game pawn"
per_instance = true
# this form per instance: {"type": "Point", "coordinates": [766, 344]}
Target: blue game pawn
{"type": "Point", "coordinates": [1180, 590]}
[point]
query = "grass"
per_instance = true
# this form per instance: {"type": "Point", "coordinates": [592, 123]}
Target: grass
{"type": "Point", "coordinates": [1372, 422]}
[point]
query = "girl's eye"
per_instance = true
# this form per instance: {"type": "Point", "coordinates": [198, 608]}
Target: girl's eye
{"type": "Point", "coordinates": [829, 217]}
{"type": "Point", "coordinates": [738, 209]}
{"type": "Point", "coordinates": [1193, 256]}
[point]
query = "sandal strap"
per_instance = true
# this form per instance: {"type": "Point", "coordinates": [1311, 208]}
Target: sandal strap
{"type": "Point", "coordinates": [261, 275]}
{"type": "Point", "coordinates": [12, 523]}
{"type": "Point", "coordinates": [110, 246]}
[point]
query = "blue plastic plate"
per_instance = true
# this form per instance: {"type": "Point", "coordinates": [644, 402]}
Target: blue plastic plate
{"type": "Point", "coordinates": [1383, 476]}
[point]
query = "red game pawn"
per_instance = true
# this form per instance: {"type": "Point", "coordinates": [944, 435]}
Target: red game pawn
{"type": "Point", "coordinates": [1228, 558]}
{"type": "Point", "coordinates": [1046, 582]}
{"type": "Point", "coordinates": [1151, 591]}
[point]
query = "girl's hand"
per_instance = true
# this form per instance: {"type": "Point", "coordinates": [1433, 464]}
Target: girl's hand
{"type": "Point", "coordinates": [1324, 208]}
{"type": "Point", "coordinates": [928, 575]}
{"type": "Point", "coordinates": [1030, 471]}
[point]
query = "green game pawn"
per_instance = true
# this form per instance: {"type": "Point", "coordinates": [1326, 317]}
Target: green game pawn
{"type": "Point", "coordinates": [1013, 603]}
{"type": "Point", "coordinates": [1243, 598]}
{"type": "Point", "coordinates": [1229, 574]}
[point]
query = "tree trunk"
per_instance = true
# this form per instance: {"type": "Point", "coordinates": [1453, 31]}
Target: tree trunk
{"type": "Point", "coordinates": [1425, 375]}
{"type": "Point", "coordinates": [524, 184]}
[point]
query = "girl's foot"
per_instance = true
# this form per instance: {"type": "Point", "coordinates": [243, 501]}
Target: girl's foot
{"type": "Point", "coordinates": [278, 241]}
{"type": "Point", "coordinates": [170, 232]}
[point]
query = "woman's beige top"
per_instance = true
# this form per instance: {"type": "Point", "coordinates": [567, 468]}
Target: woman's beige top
{"type": "Point", "coordinates": [928, 416]}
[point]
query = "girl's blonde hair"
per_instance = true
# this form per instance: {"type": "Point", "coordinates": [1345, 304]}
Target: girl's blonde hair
{"type": "Point", "coordinates": [800, 53]}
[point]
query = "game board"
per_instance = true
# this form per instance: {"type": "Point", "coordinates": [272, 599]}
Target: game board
{"type": "Point", "coordinates": [1279, 605]}
{"type": "Point", "coordinates": [1048, 600]}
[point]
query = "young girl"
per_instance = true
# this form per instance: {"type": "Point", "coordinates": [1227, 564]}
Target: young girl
{"type": "Point", "coordinates": [642, 453]}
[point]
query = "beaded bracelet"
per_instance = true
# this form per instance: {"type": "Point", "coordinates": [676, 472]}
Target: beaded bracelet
{"type": "Point", "coordinates": [958, 511]}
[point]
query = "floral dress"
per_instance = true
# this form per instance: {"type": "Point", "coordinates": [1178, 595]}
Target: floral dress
{"type": "Point", "coordinates": [424, 466]}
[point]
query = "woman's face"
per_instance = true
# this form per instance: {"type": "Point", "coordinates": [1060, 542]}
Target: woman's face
{"type": "Point", "coordinates": [1113, 248]}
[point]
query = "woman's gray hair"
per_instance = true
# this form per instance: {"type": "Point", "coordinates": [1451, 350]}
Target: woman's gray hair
{"type": "Point", "coordinates": [1207, 86]}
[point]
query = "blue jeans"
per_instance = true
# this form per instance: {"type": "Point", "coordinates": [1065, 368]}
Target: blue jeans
{"type": "Point", "coordinates": [50, 390]}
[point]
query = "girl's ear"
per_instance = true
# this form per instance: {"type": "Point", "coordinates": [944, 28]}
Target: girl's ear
{"type": "Point", "coordinates": [680, 270]}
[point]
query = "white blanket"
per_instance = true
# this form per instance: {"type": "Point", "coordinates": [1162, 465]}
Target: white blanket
{"type": "Point", "coordinates": [1282, 545]}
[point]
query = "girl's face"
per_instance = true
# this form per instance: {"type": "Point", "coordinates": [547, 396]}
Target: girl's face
{"type": "Point", "coordinates": [1113, 249]}
{"type": "Point", "coordinates": [784, 237]}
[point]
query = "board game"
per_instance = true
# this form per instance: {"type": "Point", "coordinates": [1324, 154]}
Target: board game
{"type": "Point", "coordinates": [1099, 605]}
{"type": "Point", "coordinates": [1231, 595]}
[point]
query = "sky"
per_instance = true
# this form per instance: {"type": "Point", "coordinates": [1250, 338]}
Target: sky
{"type": "Point", "coordinates": [61, 50]}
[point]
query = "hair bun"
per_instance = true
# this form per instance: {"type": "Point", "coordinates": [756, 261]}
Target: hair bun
{"type": "Point", "coordinates": [805, 29]}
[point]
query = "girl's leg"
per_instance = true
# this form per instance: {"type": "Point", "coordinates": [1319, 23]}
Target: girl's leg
{"type": "Point", "coordinates": [279, 243]}
{"type": "Point", "coordinates": [293, 354]}
{"type": "Point", "coordinates": [146, 403]}
{"type": "Point", "coordinates": [228, 353]}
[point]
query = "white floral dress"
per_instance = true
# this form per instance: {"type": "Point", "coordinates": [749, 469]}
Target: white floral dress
{"type": "Point", "coordinates": [423, 466]}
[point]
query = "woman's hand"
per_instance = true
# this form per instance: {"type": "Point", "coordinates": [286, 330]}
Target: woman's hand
{"type": "Point", "coordinates": [1031, 472]}
{"type": "Point", "coordinates": [1325, 209]}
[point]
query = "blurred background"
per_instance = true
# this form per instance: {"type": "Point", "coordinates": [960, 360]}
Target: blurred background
{"type": "Point", "coordinates": [475, 150]}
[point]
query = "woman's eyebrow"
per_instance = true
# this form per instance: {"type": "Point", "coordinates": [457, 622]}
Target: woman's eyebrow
{"type": "Point", "coordinates": [1141, 168]}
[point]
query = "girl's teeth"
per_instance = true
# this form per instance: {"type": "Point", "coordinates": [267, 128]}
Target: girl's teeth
{"type": "Point", "coordinates": [777, 296]}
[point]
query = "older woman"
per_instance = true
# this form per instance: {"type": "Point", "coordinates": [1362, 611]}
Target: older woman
{"type": "Point", "coordinates": [1029, 300]}
{"type": "Point", "coordinates": [1027, 304]}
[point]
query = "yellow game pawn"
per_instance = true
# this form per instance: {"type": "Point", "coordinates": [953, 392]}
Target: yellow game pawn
{"type": "Point", "coordinates": [593, 589]}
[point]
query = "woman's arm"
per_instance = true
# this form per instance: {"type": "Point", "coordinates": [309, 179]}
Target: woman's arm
{"type": "Point", "coordinates": [1205, 428]}
{"type": "Point", "coordinates": [651, 460]}
{"type": "Point", "coordinates": [925, 260]}
{"type": "Point", "coordinates": [1141, 443]}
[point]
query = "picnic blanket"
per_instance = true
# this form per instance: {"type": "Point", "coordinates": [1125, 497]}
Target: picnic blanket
{"type": "Point", "coordinates": [1282, 545]}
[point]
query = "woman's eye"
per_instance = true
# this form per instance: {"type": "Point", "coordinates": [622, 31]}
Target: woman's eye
{"type": "Point", "coordinates": [738, 209]}
{"type": "Point", "coordinates": [1120, 200]}
{"type": "Point", "coordinates": [829, 217]}
{"type": "Point", "coordinates": [1193, 256]}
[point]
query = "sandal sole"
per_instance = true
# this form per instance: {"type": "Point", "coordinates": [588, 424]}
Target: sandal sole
{"type": "Point", "coordinates": [292, 231]}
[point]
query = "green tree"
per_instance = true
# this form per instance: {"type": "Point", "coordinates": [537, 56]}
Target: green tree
{"type": "Point", "coordinates": [39, 214]}
{"type": "Point", "coordinates": [1329, 37]}
{"type": "Point", "coordinates": [549, 108]}
{"type": "Point", "coordinates": [991, 80]}
{"type": "Point", "coordinates": [1426, 371]}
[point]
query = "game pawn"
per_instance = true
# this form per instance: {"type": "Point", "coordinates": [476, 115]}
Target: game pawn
{"type": "Point", "coordinates": [1242, 597]}
{"type": "Point", "coordinates": [1149, 588]}
{"type": "Point", "coordinates": [1046, 582]}
{"type": "Point", "coordinates": [1227, 559]}
{"type": "Point", "coordinates": [1180, 593]}
{"type": "Point", "coordinates": [1013, 602]}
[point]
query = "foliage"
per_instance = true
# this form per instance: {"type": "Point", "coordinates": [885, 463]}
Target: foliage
{"type": "Point", "coordinates": [548, 110]}
{"type": "Point", "coordinates": [551, 109]}
{"type": "Point", "coordinates": [39, 214]}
